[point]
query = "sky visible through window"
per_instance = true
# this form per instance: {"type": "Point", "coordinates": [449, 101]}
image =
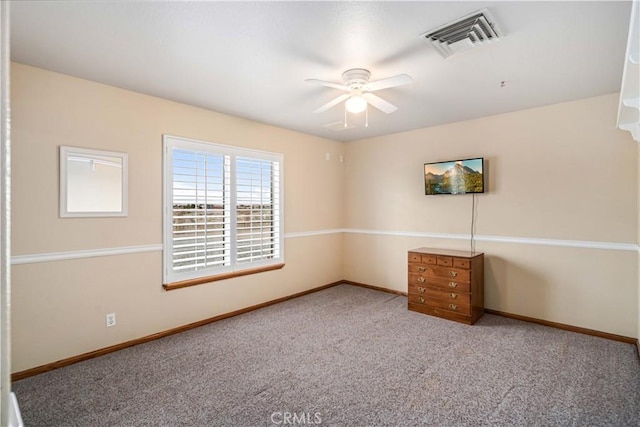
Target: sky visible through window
{"type": "Point", "coordinates": [204, 178]}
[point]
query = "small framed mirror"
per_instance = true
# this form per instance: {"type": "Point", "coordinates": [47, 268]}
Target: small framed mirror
{"type": "Point", "coordinates": [93, 183]}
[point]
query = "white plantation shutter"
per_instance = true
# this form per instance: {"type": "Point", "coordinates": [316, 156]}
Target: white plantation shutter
{"type": "Point", "coordinates": [257, 209]}
{"type": "Point", "coordinates": [223, 209]}
{"type": "Point", "coordinates": [200, 221]}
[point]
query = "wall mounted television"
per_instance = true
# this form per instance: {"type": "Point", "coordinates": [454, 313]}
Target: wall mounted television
{"type": "Point", "coordinates": [454, 177]}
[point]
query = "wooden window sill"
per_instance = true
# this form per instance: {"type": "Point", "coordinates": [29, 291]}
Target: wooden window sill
{"type": "Point", "coordinates": [208, 279]}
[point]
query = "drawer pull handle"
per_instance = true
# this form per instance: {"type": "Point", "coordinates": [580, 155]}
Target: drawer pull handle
{"type": "Point", "coordinates": [453, 285]}
{"type": "Point", "coordinates": [453, 307]}
{"type": "Point", "coordinates": [453, 273]}
{"type": "Point", "coordinates": [421, 289]}
{"type": "Point", "coordinates": [421, 300]}
{"type": "Point", "coordinates": [421, 279]}
{"type": "Point", "coordinates": [422, 269]}
{"type": "Point", "coordinates": [452, 295]}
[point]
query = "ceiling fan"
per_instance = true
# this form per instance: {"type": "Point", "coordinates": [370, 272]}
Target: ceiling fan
{"type": "Point", "coordinates": [359, 88]}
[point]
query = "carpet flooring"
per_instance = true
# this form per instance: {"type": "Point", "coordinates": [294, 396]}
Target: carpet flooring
{"type": "Point", "coordinates": [347, 356]}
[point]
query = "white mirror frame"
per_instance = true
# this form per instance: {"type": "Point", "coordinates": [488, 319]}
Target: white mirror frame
{"type": "Point", "coordinates": [122, 162]}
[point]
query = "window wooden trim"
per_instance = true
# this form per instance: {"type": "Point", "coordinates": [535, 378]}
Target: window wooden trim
{"type": "Point", "coordinates": [223, 276]}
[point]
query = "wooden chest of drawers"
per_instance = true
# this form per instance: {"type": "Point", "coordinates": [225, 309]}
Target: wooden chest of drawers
{"type": "Point", "coordinates": [447, 284]}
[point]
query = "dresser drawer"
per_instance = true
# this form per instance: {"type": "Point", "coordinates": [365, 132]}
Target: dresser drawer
{"type": "Point", "coordinates": [445, 284]}
{"type": "Point", "coordinates": [445, 261]}
{"type": "Point", "coordinates": [417, 279]}
{"type": "Point", "coordinates": [429, 259]}
{"type": "Point", "coordinates": [457, 274]}
{"type": "Point", "coordinates": [417, 268]}
{"type": "Point", "coordinates": [445, 314]}
{"type": "Point", "coordinates": [415, 257]}
{"type": "Point", "coordinates": [457, 307]}
{"type": "Point", "coordinates": [461, 263]}
{"type": "Point", "coordinates": [440, 293]}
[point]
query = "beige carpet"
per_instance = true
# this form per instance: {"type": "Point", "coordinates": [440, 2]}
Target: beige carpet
{"type": "Point", "coordinates": [347, 356]}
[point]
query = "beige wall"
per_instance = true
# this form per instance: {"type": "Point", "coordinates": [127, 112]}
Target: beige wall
{"type": "Point", "coordinates": [59, 307]}
{"type": "Point", "coordinates": [560, 173]}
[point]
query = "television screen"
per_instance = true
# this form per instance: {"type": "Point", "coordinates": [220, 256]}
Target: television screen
{"type": "Point", "coordinates": [454, 177]}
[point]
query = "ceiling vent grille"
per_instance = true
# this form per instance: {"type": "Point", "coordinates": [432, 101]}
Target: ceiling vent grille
{"type": "Point", "coordinates": [473, 30]}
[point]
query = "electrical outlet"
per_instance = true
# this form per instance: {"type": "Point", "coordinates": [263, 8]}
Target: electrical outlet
{"type": "Point", "coordinates": [111, 320]}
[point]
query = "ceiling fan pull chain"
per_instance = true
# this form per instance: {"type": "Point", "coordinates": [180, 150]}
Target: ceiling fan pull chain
{"type": "Point", "coordinates": [366, 116]}
{"type": "Point", "coordinates": [345, 115]}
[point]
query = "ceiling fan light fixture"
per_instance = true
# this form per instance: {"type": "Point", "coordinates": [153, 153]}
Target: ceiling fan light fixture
{"type": "Point", "coordinates": [356, 104]}
{"type": "Point", "coordinates": [359, 96]}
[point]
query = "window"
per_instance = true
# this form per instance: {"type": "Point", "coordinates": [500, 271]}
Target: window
{"type": "Point", "coordinates": [222, 212]}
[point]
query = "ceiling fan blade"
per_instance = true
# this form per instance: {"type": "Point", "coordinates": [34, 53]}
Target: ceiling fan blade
{"type": "Point", "coordinates": [379, 103]}
{"type": "Point", "coordinates": [332, 103]}
{"type": "Point", "coordinates": [399, 80]}
{"type": "Point", "coordinates": [328, 84]}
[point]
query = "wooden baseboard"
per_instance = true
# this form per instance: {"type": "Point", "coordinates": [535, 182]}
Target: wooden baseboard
{"type": "Point", "coordinates": [376, 288]}
{"type": "Point", "coordinates": [563, 326]}
{"type": "Point", "coordinates": [638, 347]}
{"type": "Point", "coordinates": [100, 352]}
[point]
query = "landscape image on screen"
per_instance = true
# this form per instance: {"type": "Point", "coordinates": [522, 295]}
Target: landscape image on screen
{"type": "Point", "coordinates": [454, 177]}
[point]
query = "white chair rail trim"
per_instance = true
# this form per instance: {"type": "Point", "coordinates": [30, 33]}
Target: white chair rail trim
{"type": "Point", "coordinates": [506, 239]}
{"type": "Point", "coordinates": [91, 253]}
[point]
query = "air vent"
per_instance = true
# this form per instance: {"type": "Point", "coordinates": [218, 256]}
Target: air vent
{"type": "Point", "coordinates": [470, 31]}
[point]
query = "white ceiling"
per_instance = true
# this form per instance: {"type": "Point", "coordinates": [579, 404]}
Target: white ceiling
{"type": "Point", "coordinates": [250, 59]}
